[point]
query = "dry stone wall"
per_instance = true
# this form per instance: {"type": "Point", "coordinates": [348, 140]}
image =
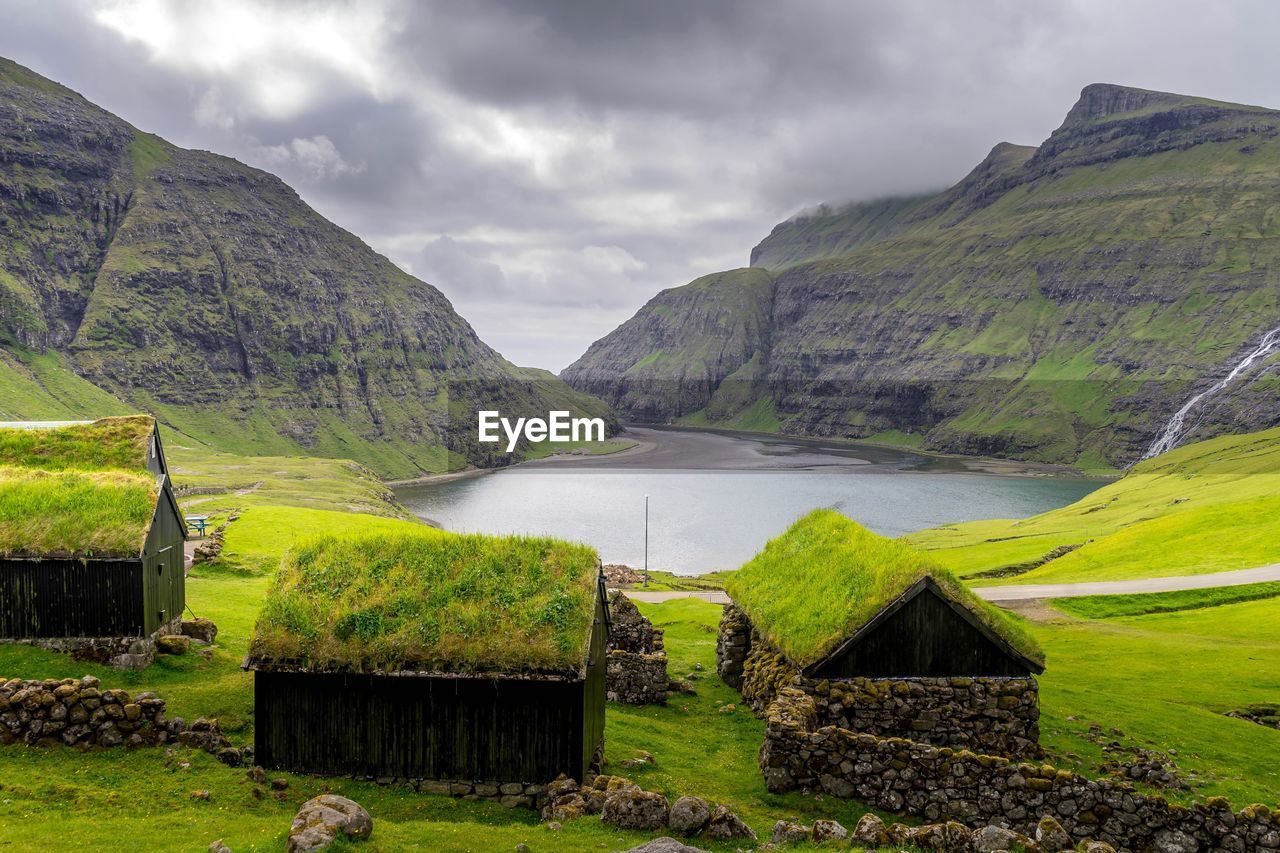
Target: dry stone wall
{"type": "Point", "coordinates": [939, 783]}
{"type": "Point", "coordinates": [119, 652]}
{"type": "Point", "coordinates": [636, 665]}
{"type": "Point", "coordinates": [78, 712]}
{"type": "Point", "coordinates": [733, 644]}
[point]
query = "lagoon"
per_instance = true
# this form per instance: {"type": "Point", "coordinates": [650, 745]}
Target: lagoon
{"type": "Point", "coordinates": [716, 498]}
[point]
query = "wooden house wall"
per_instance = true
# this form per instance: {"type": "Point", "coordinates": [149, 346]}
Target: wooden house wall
{"type": "Point", "coordinates": [925, 638]}
{"type": "Point", "coordinates": [164, 575]}
{"type": "Point", "coordinates": [419, 727]}
{"type": "Point", "coordinates": [593, 694]}
{"type": "Point", "coordinates": [71, 598]}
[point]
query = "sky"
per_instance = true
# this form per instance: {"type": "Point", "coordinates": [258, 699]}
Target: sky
{"type": "Point", "coordinates": [551, 165]}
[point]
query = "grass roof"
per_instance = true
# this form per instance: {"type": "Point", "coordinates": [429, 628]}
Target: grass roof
{"type": "Point", "coordinates": [118, 443]}
{"type": "Point", "coordinates": [431, 601]}
{"type": "Point", "coordinates": [827, 576]}
{"type": "Point", "coordinates": [85, 513]}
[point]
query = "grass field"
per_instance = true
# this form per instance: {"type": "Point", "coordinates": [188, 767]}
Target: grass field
{"type": "Point", "coordinates": [1206, 507]}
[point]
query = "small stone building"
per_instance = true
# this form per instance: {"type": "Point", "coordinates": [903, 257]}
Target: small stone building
{"type": "Point", "coordinates": [885, 641]}
{"type": "Point", "coordinates": [637, 670]}
{"type": "Point", "coordinates": [468, 665]}
{"type": "Point", "coordinates": [91, 539]}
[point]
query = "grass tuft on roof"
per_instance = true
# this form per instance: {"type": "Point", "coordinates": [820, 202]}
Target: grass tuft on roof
{"type": "Point", "coordinates": [827, 576]}
{"type": "Point", "coordinates": [118, 443]}
{"type": "Point", "coordinates": [431, 601]}
{"type": "Point", "coordinates": [85, 513]}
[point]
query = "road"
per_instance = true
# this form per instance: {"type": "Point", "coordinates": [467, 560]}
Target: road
{"type": "Point", "coordinates": [1032, 592]}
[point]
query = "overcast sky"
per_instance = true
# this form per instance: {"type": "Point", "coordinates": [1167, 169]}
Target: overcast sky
{"type": "Point", "coordinates": [552, 165]}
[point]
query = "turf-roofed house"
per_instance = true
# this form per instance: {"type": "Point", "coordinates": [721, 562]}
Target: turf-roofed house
{"type": "Point", "coordinates": [91, 539]}
{"type": "Point", "coordinates": [462, 664]}
{"type": "Point", "coordinates": [885, 641]}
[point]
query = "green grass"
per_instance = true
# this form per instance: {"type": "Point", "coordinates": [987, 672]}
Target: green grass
{"type": "Point", "coordinates": [103, 513]}
{"type": "Point", "coordinates": [1206, 507]}
{"type": "Point", "coordinates": [1112, 606]}
{"type": "Point", "coordinates": [428, 601]}
{"type": "Point", "coordinates": [105, 444]}
{"type": "Point", "coordinates": [1166, 680]}
{"type": "Point", "coordinates": [859, 573]}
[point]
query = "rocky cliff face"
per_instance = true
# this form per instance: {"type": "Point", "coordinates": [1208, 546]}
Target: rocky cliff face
{"type": "Point", "coordinates": [191, 285]}
{"type": "Point", "coordinates": [1059, 303]}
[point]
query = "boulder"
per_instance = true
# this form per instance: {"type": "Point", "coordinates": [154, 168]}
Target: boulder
{"type": "Point", "coordinates": [634, 809]}
{"type": "Point", "coordinates": [1174, 841]}
{"type": "Point", "coordinates": [1098, 847]}
{"type": "Point", "coordinates": [871, 832]}
{"type": "Point", "coordinates": [322, 819]}
{"type": "Point", "coordinates": [200, 629]}
{"type": "Point", "coordinates": [941, 836]}
{"type": "Point", "coordinates": [829, 830]}
{"type": "Point", "coordinates": [219, 847]}
{"type": "Point", "coordinates": [689, 815]}
{"type": "Point", "coordinates": [665, 845]}
{"type": "Point", "coordinates": [787, 832]}
{"type": "Point", "coordinates": [724, 824]}
{"type": "Point", "coordinates": [173, 644]}
{"type": "Point", "coordinates": [990, 839]}
{"type": "Point", "coordinates": [1052, 838]}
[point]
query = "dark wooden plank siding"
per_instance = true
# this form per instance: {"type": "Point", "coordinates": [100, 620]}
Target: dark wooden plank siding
{"type": "Point", "coordinates": [420, 727]}
{"type": "Point", "coordinates": [164, 576]}
{"type": "Point", "coordinates": [924, 638]}
{"type": "Point", "coordinates": [593, 694]}
{"type": "Point", "coordinates": [71, 598]}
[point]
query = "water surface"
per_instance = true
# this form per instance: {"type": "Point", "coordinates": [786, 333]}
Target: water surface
{"type": "Point", "coordinates": [715, 499]}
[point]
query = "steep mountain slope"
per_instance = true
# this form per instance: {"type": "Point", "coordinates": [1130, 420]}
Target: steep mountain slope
{"type": "Point", "coordinates": [194, 286]}
{"type": "Point", "coordinates": [1059, 303]}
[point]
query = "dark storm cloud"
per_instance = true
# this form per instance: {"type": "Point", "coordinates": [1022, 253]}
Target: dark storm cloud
{"type": "Point", "coordinates": [551, 165]}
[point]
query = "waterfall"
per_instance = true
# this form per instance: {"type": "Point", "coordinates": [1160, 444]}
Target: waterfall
{"type": "Point", "coordinates": [1174, 430]}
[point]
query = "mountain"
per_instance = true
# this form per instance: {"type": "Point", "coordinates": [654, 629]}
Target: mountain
{"type": "Point", "coordinates": [137, 274]}
{"type": "Point", "coordinates": [1060, 303]}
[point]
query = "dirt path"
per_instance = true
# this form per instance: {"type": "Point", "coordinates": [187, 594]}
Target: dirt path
{"type": "Point", "coordinates": [1039, 592]}
{"type": "Point", "coordinates": [1132, 587]}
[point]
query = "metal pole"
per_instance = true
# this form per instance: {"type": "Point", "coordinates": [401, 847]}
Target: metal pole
{"type": "Point", "coordinates": [646, 540]}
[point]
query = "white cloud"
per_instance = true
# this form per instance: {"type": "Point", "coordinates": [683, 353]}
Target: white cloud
{"type": "Point", "coordinates": [317, 158]}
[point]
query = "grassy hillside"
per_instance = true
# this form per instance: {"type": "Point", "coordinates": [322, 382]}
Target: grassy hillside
{"type": "Point", "coordinates": [141, 276]}
{"type": "Point", "coordinates": [1206, 507]}
{"type": "Point", "coordinates": [1057, 304]}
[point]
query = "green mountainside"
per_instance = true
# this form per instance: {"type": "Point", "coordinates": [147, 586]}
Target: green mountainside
{"type": "Point", "coordinates": [1060, 303]}
{"type": "Point", "coordinates": [135, 275]}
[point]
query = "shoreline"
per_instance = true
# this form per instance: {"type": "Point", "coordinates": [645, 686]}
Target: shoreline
{"type": "Point", "coordinates": [986, 465]}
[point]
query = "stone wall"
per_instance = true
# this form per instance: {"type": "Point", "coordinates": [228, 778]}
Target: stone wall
{"type": "Point", "coordinates": [733, 644]}
{"type": "Point", "coordinates": [938, 783]}
{"type": "Point", "coordinates": [997, 715]}
{"type": "Point", "coordinates": [78, 712]}
{"type": "Point", "coordinates": [119, 652]}
{"type": "Point", "coordinates": [636, 665]}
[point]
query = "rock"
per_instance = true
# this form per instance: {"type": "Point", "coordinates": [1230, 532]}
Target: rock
{"type": "Point", "coordinates": [561, 786]}
{"type": "Point", "coordinates": [871, 832]}
{"type": "Point", "coordinates": [229, 756]}
{"type": "Point", "coordinates": [1174, 841]}
{"type": "Point", "coordinates": [173, 644]}
{"type": "Point", "coordinates": [990, 839]}
{"type": "Point", "coordinates": [200, 795]}
{"type": "Point", "coordinates": [1052, 838]}
{"type": "Point", "coordinates": [829, 830]}
{"type": "Point", "coordinates": [689, 815]}
{"type": "Point", "coordinates": [322, 819]}
{"type": "Point", "coordinates": [257, 775]}
{"type": "Point", "coordinates": [635, 810]}
{"type": "Point", "coordinates": [523, 848]}
{"type": "Point", "coordinates": [1098, 847]}
{"type": "Point", "coordinates": [200, 629]}
{"type": "Point", "coordinates": [665, 845]}
{"type": "Point", "coordinates": [787, 832]}
{"type": "Point", "coordinates": [279, 784]}
{"type": "Point", "coordinates": [219, 847]}
{"type": "Point", "coordinates": [724, 824]}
